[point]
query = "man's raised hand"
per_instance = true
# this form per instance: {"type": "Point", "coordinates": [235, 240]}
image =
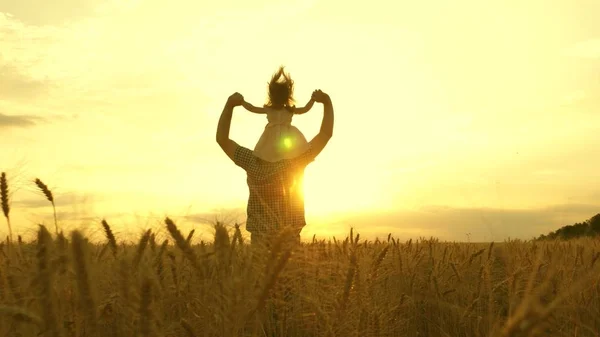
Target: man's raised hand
{"type": "Point", "coordinates": [319, 96]}
{"type": "Point", "coordinates": [236, 99]}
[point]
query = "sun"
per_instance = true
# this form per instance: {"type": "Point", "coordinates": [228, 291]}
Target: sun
{"type": "Point", "coordinates": [328, 193]}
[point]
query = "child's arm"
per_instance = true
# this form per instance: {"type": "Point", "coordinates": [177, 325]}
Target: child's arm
{"type": "Point", "coordinates": [306, 108]}
{"type": "Point", "coordinates": [254, 109]}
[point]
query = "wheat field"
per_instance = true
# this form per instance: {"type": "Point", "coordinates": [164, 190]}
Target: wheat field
{"type": "Point", "coordinates": [62, 284]}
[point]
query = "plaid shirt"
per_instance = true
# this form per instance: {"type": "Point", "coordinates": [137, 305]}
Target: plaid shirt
{"type": "Point", "coordinates": [276, 195]}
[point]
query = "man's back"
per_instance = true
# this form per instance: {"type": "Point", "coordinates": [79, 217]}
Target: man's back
{"type": "Point", "coordinates": [276, 198]}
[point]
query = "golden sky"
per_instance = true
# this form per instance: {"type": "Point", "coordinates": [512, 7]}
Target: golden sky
{"type": "Point", "coordinates": [452, 117]}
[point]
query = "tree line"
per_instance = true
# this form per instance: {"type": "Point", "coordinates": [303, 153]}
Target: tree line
{"type": "Point", "coordinates": [590, 227]}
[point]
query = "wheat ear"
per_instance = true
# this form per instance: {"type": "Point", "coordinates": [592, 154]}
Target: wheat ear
{"type": "Point", "coordinates": [5, 206]}
{"type": "Point", "coordinates": [110, 236]}
{"type": "Point", "coordinates": [185, 247]}
{"type": "Point", "coordinates": [48, 194]}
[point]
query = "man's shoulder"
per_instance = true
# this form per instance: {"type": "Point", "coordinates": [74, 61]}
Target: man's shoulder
{"type": "Point", "coordinates": [243, 157]}
{"type": "Point", "coordinates": [305, 157]}
{"type": "Point", "coordinates": [256, 168]}
{"type": "Point", "coordinates": [243, 151]}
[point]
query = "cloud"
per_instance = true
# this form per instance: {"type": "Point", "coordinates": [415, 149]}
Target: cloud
{"type": "Point", "coordinates": [16, 85]}
{"type": "Point", "coordinates": [17, 121]}
{"type": "Point", "coordinates": [40, 13]}
{"type": "Point", "coordinates": [61, 200]}
{"type": "Point", "coordinates": [447, 223]}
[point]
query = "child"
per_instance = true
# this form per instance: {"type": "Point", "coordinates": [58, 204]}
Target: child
{"type": "Point", "coordinates": [280, 139]}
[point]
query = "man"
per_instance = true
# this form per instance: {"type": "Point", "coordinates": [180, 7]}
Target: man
{"type": "Point", "coordinates": [275, 202]}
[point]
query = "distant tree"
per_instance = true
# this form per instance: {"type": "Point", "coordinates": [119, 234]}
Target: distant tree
{"type": "Point", "coordinates": [590, 227]}
{"type": "Point", "coordinates": [567, 232]}
{"type": "Point", "coordinates": [594, 224]}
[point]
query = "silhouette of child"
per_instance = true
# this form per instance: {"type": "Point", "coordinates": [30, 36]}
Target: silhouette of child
{"type": "Point", "coordinates": [280, 139]}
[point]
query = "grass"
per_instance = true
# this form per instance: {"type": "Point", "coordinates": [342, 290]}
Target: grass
{"type": "Point", "coordinates": [64, 285]}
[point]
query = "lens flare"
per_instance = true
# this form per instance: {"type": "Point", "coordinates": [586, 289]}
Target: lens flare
{"type": "Point", "coordinates": [287, 143]}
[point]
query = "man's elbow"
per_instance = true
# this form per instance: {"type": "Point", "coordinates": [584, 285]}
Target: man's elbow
{"type": "Point", "coordinates": [221, 140]}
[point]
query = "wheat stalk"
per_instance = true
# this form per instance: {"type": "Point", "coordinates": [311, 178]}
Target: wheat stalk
{"type": "Point", "coordinates": [46, 282]}
{"type": "Point", "coordinates": [378, 261]}
{"type": "Point", "coordinates": [152, 242]}
{"type": "Point", "coordinates": [222, 244]}
{"type": "Point", "coordinates": [141, 248]}
{"type": "Point", "coordinates": [182, 243]}
{"type": "Point", "coordinates": [236, 240]}
{"type": "Point", "coordinates": [83, 279]}
{"type": "Point", "coordinates": [112, 241]}
{"type": "Point", "coordinates": [158, 260]}
{"type": "Point", "coordinates": [145, 311]}
{"type": "Point", "coordinates": [5, 205]}
{"type": "Point", "coordinates": [270, 283]}
{"type": "Point", "coordinates": [49, 197]}
{"type": "Point", "coordinates": [190, 235]}
{"type": "Point", "coordinates": [349, 280]}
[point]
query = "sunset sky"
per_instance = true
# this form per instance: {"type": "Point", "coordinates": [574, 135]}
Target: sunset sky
{"type": "Point", "coordinates": [458, 119]}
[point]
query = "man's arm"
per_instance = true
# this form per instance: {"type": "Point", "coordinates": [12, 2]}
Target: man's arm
{"type": "Point", "coordinates": [326, 132]}
{"type": "Point", "coordinates": [224, 125]}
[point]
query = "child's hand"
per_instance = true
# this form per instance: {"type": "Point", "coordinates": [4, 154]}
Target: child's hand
{"type": "Point", "coordinates": [319, 96]}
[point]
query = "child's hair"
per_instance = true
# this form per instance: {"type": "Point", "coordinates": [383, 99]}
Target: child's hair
{"type": "Point", "coordinates": [281, 91]}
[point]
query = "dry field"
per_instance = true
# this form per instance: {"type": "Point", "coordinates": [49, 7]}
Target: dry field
{"type": "Point", "coordinates": [65, 285]}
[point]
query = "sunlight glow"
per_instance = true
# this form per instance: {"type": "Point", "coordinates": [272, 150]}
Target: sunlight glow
{"type": "Point", "coordinates": [287, 143]}
{"type": "Point", "coordinates": [456, 109]}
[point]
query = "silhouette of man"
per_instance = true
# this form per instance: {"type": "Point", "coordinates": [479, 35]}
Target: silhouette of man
{"type": "Point", "coordinates": [275, 201]}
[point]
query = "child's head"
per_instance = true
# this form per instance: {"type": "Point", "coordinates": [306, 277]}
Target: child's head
{"type": "Point", "coordinates": [281, 90]}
